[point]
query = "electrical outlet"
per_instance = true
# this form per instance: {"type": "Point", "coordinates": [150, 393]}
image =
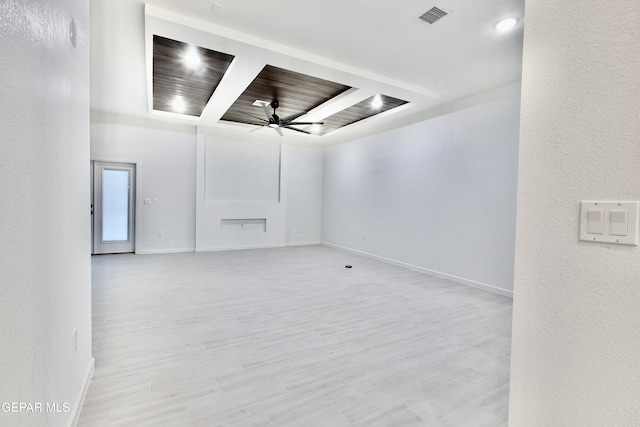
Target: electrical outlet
{"type": "Point", "coordinates": [160, 233]}
{"type": "Point", "coordinates": [75, 340]}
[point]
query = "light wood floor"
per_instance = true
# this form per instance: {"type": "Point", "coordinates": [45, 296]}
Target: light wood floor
{"type": "Point", "coordinates": [290, 337]}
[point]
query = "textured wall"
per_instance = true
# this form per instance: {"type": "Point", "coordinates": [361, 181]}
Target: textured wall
{"type": "Point", "coordinates": [576, 321]}
{"type": "Point", "coordinates": [438, 194]}
{"type": "Point", "coordinates": [45, 277]}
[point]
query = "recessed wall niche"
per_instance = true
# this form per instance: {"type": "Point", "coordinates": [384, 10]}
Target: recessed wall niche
{"type": "Point", "coordinates": [243, 226]}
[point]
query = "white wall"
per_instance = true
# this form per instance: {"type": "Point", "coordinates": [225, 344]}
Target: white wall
{"type": "Point", "coordinates": [241, 171]}
{"type": "Point", "coordinates": [438, 194]}
{"type": "Point", "coordinates": [304, 199]}
{"type": "Point", "coordinates": [45, 275]}
{"type": "Point", "coordinates": [236, 179]}
{"type": "Point", "coordinates": [280, 183]}
{"type": "Point", "coordinates": [576, 319]}
{"type": "Point", "coordinates": [255, 162]}
{"type": "Point", "coordinates": [166, 164]}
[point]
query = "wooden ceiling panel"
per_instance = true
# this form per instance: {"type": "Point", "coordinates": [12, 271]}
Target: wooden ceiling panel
{"type": "Point", "coordinates": [185, 76]}
{"type": "Point", "coordinates": [294, 91]}
{"type": "Point", "coordinates": [359, 111]}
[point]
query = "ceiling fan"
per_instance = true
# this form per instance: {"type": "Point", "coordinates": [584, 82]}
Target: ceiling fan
{"type": "Point", "coordinates": [276, 122]}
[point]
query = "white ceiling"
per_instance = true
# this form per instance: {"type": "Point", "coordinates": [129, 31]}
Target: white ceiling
{"type": "Point", "coordinates": [372, 45]}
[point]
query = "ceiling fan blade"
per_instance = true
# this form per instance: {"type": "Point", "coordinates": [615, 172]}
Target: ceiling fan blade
{"type": "Point", "coordinates": [297, 130]}
{"type": "Point", "coordinates": [304, 123]}
{"type": "Point", "coordinates": [279, 131]}
{"type": "Point", "coordinates": [294, 116]}
{"type": "Point", "coordinates": [259, 127]}
{"type": "Point", "coordinates": [265, 108]}
{"type": "Point", "coordinates": [251, 115]}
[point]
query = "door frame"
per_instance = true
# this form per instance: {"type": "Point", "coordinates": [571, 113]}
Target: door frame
{"type": "Point", "coordinates": [136, 198]}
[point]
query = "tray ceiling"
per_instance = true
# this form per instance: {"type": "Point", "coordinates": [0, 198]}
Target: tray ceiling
{"type": "Point", "coordinates": [389, 51]}
{"type": "Point", "coordinates": [294, 91]}
{"type": "Point", "coordinates": [185, 76]}
{"type": "Point", "coordinates": [360, 111]}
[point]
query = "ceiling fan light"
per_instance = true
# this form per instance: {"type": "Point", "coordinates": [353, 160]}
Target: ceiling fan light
{"type": "Point", "coordinates": [506, 24]}
{"type": "Point", "coordinates": [274, 125]}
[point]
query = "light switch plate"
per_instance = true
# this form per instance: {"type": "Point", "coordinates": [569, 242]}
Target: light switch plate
{"type": "Point", "coordinates": [610, 228]}
{"type": "Point", "coordinates": [595, 221]}
{"type": "Point", "coordinates": [619, 222]}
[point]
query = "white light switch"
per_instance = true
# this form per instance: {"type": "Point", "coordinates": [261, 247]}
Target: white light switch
{"type": "Point", "coordinates": [595, 221]}
{"type": "Point", "coordinates": [610, 222]}
{"type": "Point", "coordinates": [618, 222]}
{"type": "Point", "coordinates": [147, 201]}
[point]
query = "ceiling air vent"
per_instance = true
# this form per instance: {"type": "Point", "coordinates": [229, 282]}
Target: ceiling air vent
{"type": "Point", "coordinates": [432, 15]}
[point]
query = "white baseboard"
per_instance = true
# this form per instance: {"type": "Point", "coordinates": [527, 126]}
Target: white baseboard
{"type": "Point", "coordinates": [240, 248]}
{"type": "Point", "coordinates": [163, 251]}
{"type": "Point", "coordinates": [77, 408]}
{"type": "Point", "coordinates": [461, 280]}
{"type": "Point", "coordinates": [303, 243]}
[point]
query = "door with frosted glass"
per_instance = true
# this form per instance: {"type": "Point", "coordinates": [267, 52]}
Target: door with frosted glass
{"type": "Point", "coordinates": [113, 207]}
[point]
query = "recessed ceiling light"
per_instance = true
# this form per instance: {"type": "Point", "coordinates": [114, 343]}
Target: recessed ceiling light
{"type": "Point", "coordinates": [377, 102]}
{"type": "Point", "coordinates": [192, 58]}
{"type": "Point", "coordinates": [506, 24]}
{"type": "Point", "coordinates": [178, 104]}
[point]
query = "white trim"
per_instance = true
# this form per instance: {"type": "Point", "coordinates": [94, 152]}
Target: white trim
{"type": "Point", "coordinates": [232, 248]}
{"type": "Point", "coordinates": [103, 117]}
{"type": "Point", "coordinates": [164, 251]}
{"type": "Point", "coordinates": [239, 248]}
{"type": "Point", "coordinates": [303, 243]}
{"type": "Point", "coordinates": [461, 280]}
{"type": "Point", "coordinates": [83, 393]}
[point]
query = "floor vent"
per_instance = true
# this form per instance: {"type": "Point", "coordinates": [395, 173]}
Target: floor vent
{"type": "Point", "coordinates": [432, 15]}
